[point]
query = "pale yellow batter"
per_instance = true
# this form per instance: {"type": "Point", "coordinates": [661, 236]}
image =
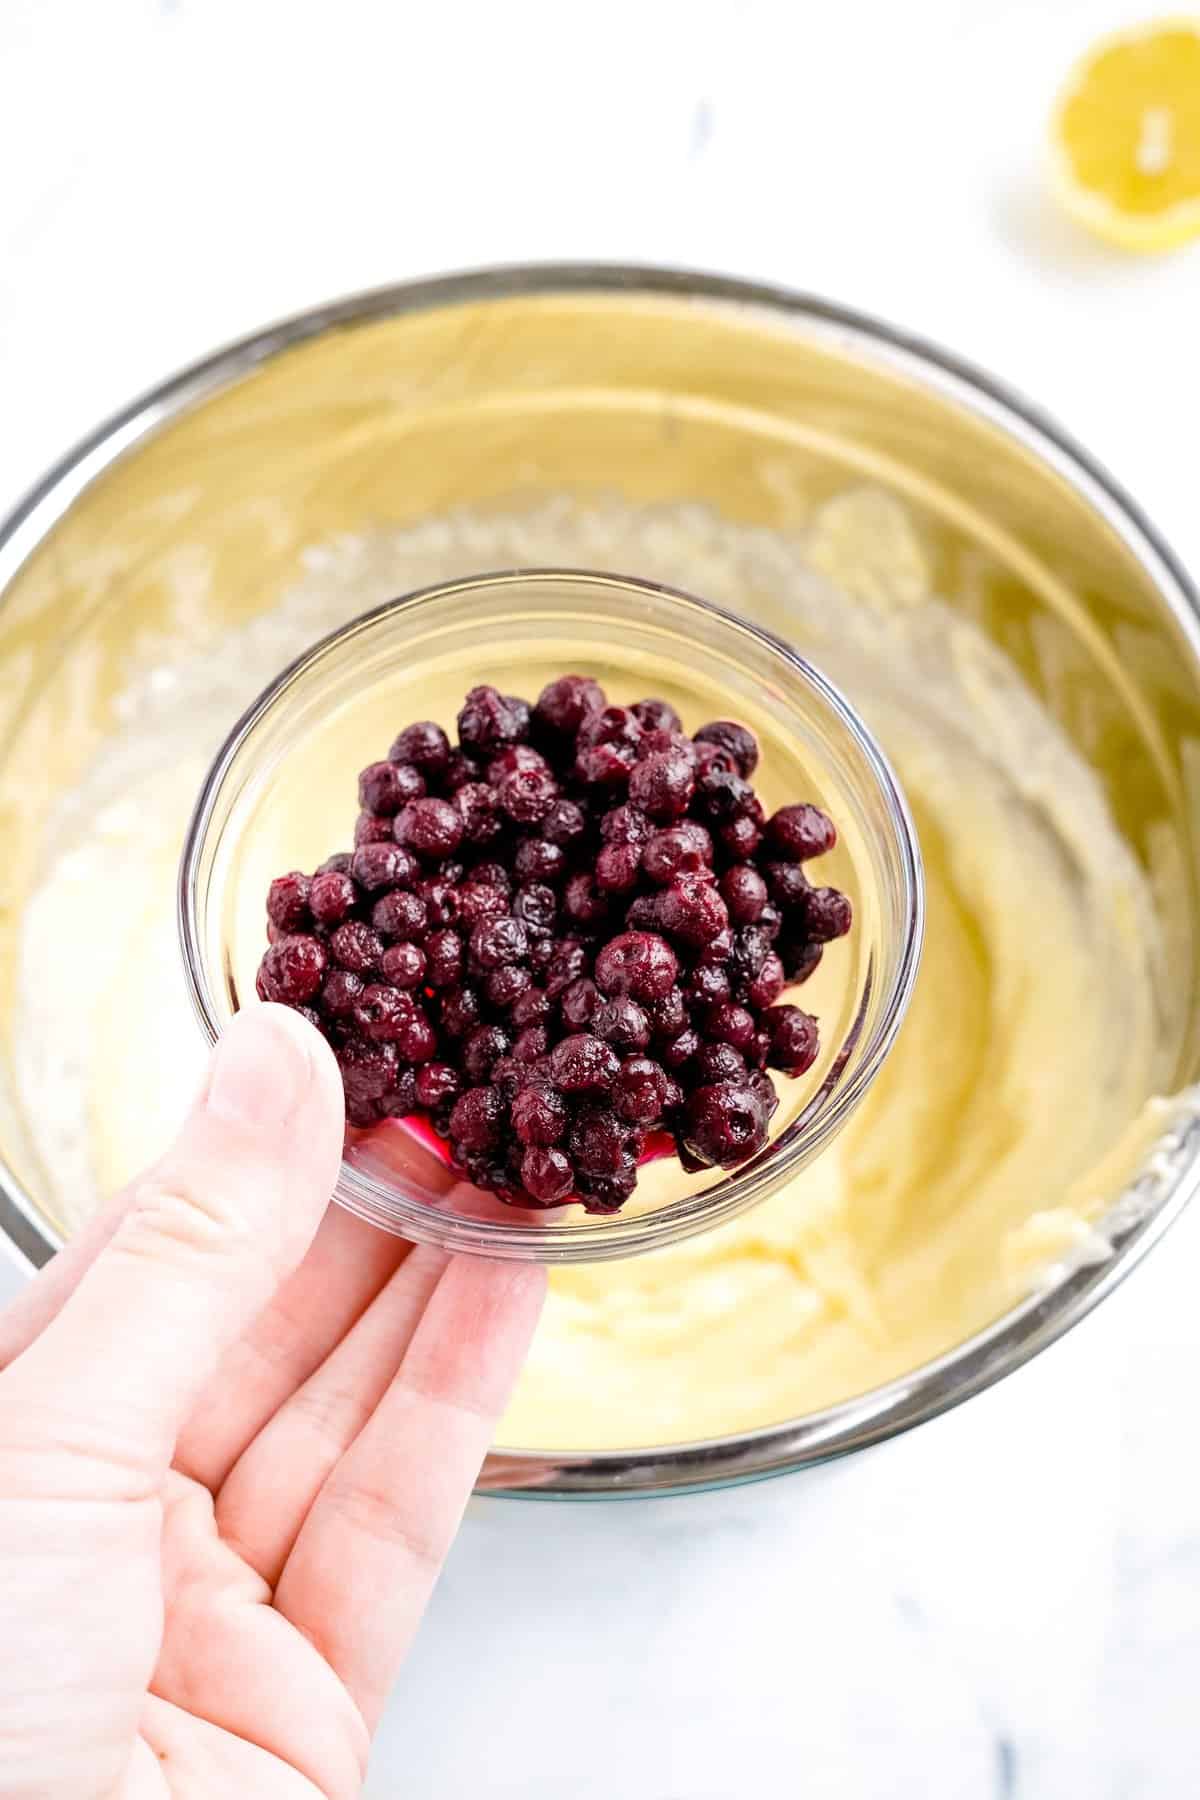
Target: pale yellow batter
{"type": "Point", "coordinates": [1020, 1094]}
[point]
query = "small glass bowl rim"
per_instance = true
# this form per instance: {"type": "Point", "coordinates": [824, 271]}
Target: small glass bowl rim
{"type": "Point", "coordinates": [618, 1236]}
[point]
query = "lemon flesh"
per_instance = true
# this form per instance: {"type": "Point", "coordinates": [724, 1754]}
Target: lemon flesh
{"type": "Point", "coordinates": [1126, 137]}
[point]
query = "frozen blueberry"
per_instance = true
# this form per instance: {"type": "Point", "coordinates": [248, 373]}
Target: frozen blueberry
{"type": "Point", "coordinates": [638, 963]}
{"type": "Point", "coordinates": [502, 987]}
{"type": "Point", "coordinates": [341, 992]}
{"type": "Point", "coordinates": [719, 1062]}
{"type": "Point", "coordinates": [729, 1024]}
{"type": "Point", "coordinates": [355, 946]}
{"type": "Point", "coordinates": [383, 1013]}
{"type": "Point", "coordinates": [482, 1049]}
{"type": "Point", "coordinates": [372, 828]}
{"type": "Point", "coordinates": [287, 901]}
{"type": "Point", "coordinates": [332, 897]}
{"type": "Point", "coordinates": [679, 850]}
{"type": "Point", "coordinates": [401, 915]}
{"type": "Point", "coordinates": [621, 1023]}
{"type": "Point", "coordinates": [539, 1116]}
{"type": "Point", "coordinates": [490, 721]}
{"type": "Point", "coordinates": [583, 902]}
{"type": "Point", "coordinates": [478, 1119]}
{"type": "Point", "coordinates": [740, 745]}
{"type": "Point", "coordinates": [641, 1091]}
{"type": "Point", "coordinates": [444, 959]}
{"type": "Point", "coordinates": [384, 787]}
{"type": "Point", "coordinates": [564, 704]}
{"type": "Point", "coordinates": [583, 1063]}
{"type": "Point", "coordinates": [378, 866]}
{"type": "Point", "coordinates": [533, 1007]}
{"type": "Point", "coordinates": [531, 1045]}
{"type": "Point", "coordinates": [403, 965]}
{"type": "Point", "coordinates": [662, 785]}
{"type": "Point", "coordinates": [795, 1039]}
{"type": "Point", "coordinates": [292, 969]}
{"type": "Point", "coordinates": [692, 910]}
{"type": "Point", "coordinates": [598, 1141]}
{"type": "Point", "coordinates": [765, 988]}
{"type": "Point", "coordinates": [617, 868]}
{"type": "Point", "coordinates": [568, 961]}
{"type": "Point", "coordinates": [480, 900]}
{"type": "Point", "coordinates": [563, 823]}
{"type": "Point", "coordinates": [536, 904]}
{"type": "Point", "coordinates": [579, 1003]}
{"type": "Point", "coordinates": [799, 958]}
{"type": "Point", "coordinates": [430, 827]}
{"type": "Point", "coordinates": [435, 1084]}
{"type": "Point", "coordinates": [459, 1011]}
{"type": "Point", "coordinates": [801, 831]}
{"type": "Point", "coordinates": [625, 824]}
{"type": "Point", "coordinates": [539, 861]}
{"type": "Point", "coordinates": [680, 1050]}
{"type": "Point", "coordinates": [442, 902]}
{"type": "Point", "coordinates": [527, 795]}
{"type": "Point", "coordinates": [496, 942]}
{"type": "Point", "coordinates": [478, 809]}
{"type": "Point", "coordinates": [424, 746]}
{"type": "Point", "coordinates": [657, 715]}
{"type": "Point", "coordinates": [744, 892]}
{"type": "Point", "coordinates": [546, 1175]}
{"type": "Point", "coordinates": [740, 838]}
{"type": "Point", "coordinates": [827, 914]}
{"type": "Point", "coordinates": [707, 985]}
{"type": "Point", "coordinates": [724, 1123]}
{"type": "Point", "coordinates": [368, 1069]}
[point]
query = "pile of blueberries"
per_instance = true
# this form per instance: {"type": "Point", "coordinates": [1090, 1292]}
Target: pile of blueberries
{"type": "Point", "coordinates": [566, 932]}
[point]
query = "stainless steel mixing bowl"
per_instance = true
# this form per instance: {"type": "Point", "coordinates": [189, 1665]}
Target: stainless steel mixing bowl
{"type": "Point", "coordinates": [484, 388]}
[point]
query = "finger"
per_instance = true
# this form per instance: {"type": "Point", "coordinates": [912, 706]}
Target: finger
{"type": "Point", "coordinates": [37, 1303]}
{"type": "Point", "coordinates": [370, 1550]}
{"type": "Point", "coordinates": [346, 1267]}
{"type": "Point", "coordinates": [217, 1759]}
{"type": "Point", "coordinates": [266, 1497]}
{"type": "Point", "coordinates": [210, 1233]}
{"type": "Point", "coordinates": [227, 1656]}
{"type": "Point", "coordinates": [348, 1264]}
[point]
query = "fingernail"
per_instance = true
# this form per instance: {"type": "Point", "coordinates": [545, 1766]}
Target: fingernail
{"type": "Point", "coordinates": [261, 1068]}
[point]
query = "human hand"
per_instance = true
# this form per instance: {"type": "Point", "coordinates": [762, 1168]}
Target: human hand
{"type": "Point", "coordinates": [236, 1440]}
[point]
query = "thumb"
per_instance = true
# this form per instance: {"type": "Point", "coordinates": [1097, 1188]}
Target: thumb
{"type": "Point", "coordinates": [209, 1233]}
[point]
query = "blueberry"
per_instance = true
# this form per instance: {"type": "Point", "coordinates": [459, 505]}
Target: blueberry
{"type": "Point", "coordinates": [725, 1123]}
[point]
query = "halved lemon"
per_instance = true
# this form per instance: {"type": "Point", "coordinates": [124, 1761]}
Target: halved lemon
{"type": "Point", "coordinates": [1125, 136]}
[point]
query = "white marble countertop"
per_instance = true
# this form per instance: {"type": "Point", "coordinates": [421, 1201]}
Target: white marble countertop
{"type": "Point", "coordinates": [1006, 1603]}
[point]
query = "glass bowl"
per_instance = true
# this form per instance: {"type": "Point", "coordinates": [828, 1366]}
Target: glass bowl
{"type": "Point", "coordinates": [280, 795]}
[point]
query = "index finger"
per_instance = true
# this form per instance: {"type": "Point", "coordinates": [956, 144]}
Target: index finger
{"type": "Point", "coordinates": [26, 1317]}
{"type": "Point", "coordinates": [211, 1233]}
{"type": "Point", "coordinates": [372, 1546]}
{"type": "Point", "coordinates": [348, 1264]}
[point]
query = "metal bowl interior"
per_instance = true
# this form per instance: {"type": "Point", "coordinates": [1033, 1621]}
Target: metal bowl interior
{"type": "Point", "coordinates": [492, 389]}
